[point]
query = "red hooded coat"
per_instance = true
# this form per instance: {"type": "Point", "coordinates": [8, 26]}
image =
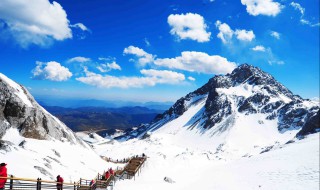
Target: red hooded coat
{"type": "Point", "coordinates": [3, 173]}
{"type": "Point", "coordinates": [111, 171]}
{"type": "Point", "coordinates": [107, 175]}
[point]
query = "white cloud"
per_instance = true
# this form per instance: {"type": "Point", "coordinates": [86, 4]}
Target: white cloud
{"type": "Point", "coordinates": [189, 61]}
{"type": "Point", "coordinates": [150, 78]}
{"type": "Point", "coordinates": [189, 26]}
{"type": "Point", "coordinates": [51, 71]}
{"type": "Point", "coordinates": [147, 42]}
{"type": "Point", "coordinates": [198, 62]}
{"type": "Point", "coordinates": [275, 34]}
{"type": "Point", "coordinates": [191, 78]}
{"type": "Point", "coordinates": [298, 7]}
{"type": "Point", "coordinates": [79, 59]}
{"type": "Point", "coordinates": [108, 67]}
{"type": "Point", "coordinates": [36, 22]}
{"type": "Point", "coordinates": [271, 62]}
{"type": "Point", "coordinates": [307, 22]}
{"type": "Point", "coordinates": [143, 57]}
{"type": "Point", "coordinates": [226, 33]}
{"type": "Point", "coordinates": [80, 25]}
{"type": "Point", "coordinates": [302, 10]}
{"type": "Point", "coordinates": [259, 48]}
{"type": "Point", "coordinates": [245, 35]}
{"type": "Point", "coordinates": [262, 7]}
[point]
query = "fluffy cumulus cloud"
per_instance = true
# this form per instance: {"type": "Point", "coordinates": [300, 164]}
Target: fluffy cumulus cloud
{"type": "Point", "coordinates": [259, 48]}
{"type": "Point", "coordinates": [189, 26]}
{"type": "Point", "coordinates": [106, 67]}
{"type": "Point", "coordinates": [226, 33]}
{"type": "Point", "coordinates": [245, 35]}
{"type": "Point", "coordinates": [262, 7]}
{"type": "Point", "coordinates": [51, 71]}
{"type": "Point", "coordinates": [150, 77]}
{"type": "Point", "coordinates": [143, 57]}
{"type": "Point", "coordinates": [275, 34]}
{"type": "Point", "coordinates": [198, 62]}
{"type": "Point", "coordinates": [78, 59]}
{"type": "Point", "coordinates": [36, 22]}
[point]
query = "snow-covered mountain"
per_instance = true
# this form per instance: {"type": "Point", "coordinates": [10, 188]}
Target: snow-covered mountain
{"type": "Point", "coordinates": [36, 144]}
{"type": "Point", "coordinates": [19, 110]}
{"type": "Point", "coordinates": [240, 131]}
{"type": "Point", "coordinates": [247, 109]}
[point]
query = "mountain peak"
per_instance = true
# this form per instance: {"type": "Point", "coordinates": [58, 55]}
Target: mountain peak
{"type": "Point", "coordinates": [251, 74]}
{"type": "Point", "coordinates": [247, 92]}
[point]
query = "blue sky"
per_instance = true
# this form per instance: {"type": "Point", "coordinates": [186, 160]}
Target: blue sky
{"type": "Point", "coordinates": [155, 50]}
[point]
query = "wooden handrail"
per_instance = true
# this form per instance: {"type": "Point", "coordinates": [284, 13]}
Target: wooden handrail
{"type": "Point", "coordinates": [131, 168]}
{"type": "Point", "coordinates": [35, 180]}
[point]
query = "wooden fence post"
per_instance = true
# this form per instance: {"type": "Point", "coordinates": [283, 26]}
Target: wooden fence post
{"type": "Point", "coordinates": [11, 182]}
{"type": "Point", "coordinates": [39, 184]}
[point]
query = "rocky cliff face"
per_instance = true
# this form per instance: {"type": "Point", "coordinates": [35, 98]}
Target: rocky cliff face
{"type": "Point", "coordinates": [19, 110]}
{"type": "Point", "coordinates": [246, 91]}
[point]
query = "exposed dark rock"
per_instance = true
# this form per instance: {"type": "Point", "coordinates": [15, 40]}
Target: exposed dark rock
{"type": "Point", "coordinates": [312, 125]}
{"type": "Point", "coordinates": [19, 110]}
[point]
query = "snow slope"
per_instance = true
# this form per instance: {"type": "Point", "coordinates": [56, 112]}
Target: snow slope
{"type": "Point", "coordinates": [36, 144]}
{"type": "Point", "coordinates": [32, 158]}
{"type": "Point", "coordinates": [238, 131]}
{"type": "Point", "coordinates": [293, 166]}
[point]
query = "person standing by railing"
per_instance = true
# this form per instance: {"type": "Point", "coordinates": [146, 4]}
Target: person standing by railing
{"type": "Point", "coordinates": [107, 174]}
{"type": "Point", "coordinates": [3, 173]}
{"type": "Point", "coordinates": [60, 182]}
{"type": "Point", "coordinates": [111, 171]}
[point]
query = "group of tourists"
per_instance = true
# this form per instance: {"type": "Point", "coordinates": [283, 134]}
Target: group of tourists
{"type": "Point", "coordinates": [4, 176]}
{"type": "Point", "coordinates": [110, 172]}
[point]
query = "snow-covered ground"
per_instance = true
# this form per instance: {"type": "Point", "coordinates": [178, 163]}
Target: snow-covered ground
{"type": "Point", "coordinates": [291, 166]}
{"type": "Point", "coordinates": [31, 158]}
{"type": "Point", "coordinates": [249, 154]}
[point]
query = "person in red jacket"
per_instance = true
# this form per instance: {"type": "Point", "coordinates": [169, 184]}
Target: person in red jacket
{"type": "Point", "coordinates": [111, 171]}
{"type": "Point", "coordinates": [107, 175]}
{"type": "Point", "coordinates": [60, 182]}
{"type": "Point", "coordinates": [3, 173]}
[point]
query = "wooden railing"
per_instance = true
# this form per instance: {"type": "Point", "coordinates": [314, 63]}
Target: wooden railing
{"type": "Point", "coordinates": [38, 184]}
{"type": "Point", "coordinates": [130, 170]}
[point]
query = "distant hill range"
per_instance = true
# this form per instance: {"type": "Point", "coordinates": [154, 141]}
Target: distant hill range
{"type": "Point", "coordinates": [78, 103]}
{"type": "Point", "coordinates": [90, 118]}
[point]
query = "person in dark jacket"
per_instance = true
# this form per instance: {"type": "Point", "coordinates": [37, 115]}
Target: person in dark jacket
{"type": "Point", "coordinates": [60, 182]}
{"type": "Point", "coordinates": [3, 173]}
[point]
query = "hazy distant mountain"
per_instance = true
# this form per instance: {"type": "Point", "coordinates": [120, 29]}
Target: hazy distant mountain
{"type": "Point", "coordinates": [85, 118]}
{"type": "Point", "coordinates": [77, 103]}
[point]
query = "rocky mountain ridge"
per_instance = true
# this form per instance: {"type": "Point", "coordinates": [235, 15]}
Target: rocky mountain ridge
{"type": "Point", "coordinates": [246, 91]}
{"type": "Point", "coordinates": [19, 110]}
